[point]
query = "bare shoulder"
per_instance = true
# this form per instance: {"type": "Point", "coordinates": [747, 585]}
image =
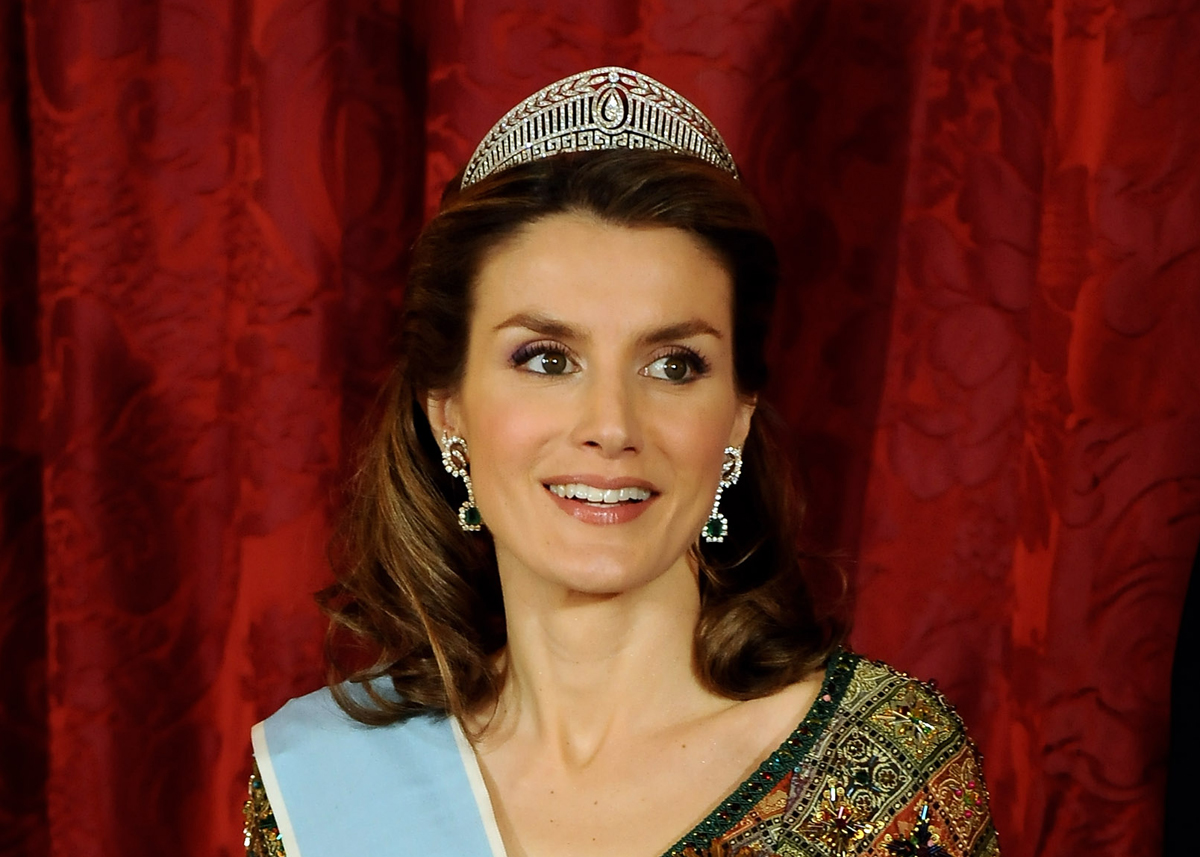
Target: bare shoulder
{"type": "Point", "coordinates": [769, 720]}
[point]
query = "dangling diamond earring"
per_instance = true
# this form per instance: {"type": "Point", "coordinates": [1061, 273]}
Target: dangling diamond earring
{"type": "Point", "coordinates": [454, 459]}
{"type": "Point", "coordinates": [717, 526]}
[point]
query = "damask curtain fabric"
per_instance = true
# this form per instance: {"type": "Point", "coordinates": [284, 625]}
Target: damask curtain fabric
{"type": "Point", "coordinates": [985, 356]}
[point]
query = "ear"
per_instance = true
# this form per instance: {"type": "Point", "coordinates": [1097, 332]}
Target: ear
{"type": "Point", "coordinates": [741, 421]}
{"type": "Point", "coordinates": [442, 411]}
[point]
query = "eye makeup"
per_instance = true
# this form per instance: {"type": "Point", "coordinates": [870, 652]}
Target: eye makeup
{"type": "Point", "coordinates": [556, 358]}
{"type": "Point", "coordinates": [531, 349]}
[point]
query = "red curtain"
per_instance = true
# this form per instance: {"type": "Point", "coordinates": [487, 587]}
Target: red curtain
{"type": "Point", "coordinates": [986, 352]}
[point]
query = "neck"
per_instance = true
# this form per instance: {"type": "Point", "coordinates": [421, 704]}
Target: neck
{"type": "Point", "coordinates": [584, 670]}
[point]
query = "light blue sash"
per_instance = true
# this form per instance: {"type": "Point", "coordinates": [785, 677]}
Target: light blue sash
{"type": "Point", "coordinates": [340, 788]}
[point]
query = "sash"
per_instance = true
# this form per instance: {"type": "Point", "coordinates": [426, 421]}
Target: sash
{"type": "Point", "coordinates": [338, 787]}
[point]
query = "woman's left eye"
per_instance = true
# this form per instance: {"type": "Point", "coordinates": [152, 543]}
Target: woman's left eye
{"type": "Point", "coordinates": [676, 367]}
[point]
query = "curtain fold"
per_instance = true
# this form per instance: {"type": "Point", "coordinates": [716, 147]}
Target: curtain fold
{"type": "Point", "coordinates": [23, 710]}
{"type": "Point", "coordinates": [984, 358]}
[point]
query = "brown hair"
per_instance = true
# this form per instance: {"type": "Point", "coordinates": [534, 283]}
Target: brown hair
{"type": "Point", "coordinates": [418, 600]}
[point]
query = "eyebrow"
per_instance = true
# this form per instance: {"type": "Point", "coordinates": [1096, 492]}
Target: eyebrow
{"type": "Point", "coordinates": [540, 324]}
{"type": "Point", "coordinates": [550, 327]}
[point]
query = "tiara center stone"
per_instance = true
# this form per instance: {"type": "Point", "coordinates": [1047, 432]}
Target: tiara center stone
{"type": "Point", "coordinates": [612, 107]}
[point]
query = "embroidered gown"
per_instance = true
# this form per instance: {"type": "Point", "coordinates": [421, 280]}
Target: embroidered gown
{"type": "Point", "coordinates": [880, 766]}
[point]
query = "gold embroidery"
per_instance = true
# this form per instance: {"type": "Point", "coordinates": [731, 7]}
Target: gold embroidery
{"type": "Point", "coordinates": [837, 824]}
{"type": "Point", "coordinates": [262, 832]}
{"type": "Point", "coordinates": [895, 775]}
{"type": "Point", "coordinates": [868, 678]}
{"type": "Point", "coordinates": [959, 790]}
{"type": "Point", "coordinates": [913, 719]}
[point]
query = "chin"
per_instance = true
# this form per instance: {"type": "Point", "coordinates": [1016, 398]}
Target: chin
{"type": "Point", "coordinates": [603, 573]}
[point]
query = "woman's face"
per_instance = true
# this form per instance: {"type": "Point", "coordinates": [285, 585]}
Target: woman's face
{"type": "Point", "coordinates": [599, 369]}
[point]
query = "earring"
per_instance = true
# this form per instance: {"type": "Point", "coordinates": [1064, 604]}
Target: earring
{"type": "Point", "coordinates": [717, 526]}
{"type": "Point", "coordinates": [454, 459]}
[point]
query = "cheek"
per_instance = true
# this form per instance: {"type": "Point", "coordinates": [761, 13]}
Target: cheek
{"type": "Point", "coordinates": [506, 432]}
{"type": "Point", "coordinates": [695, 439]}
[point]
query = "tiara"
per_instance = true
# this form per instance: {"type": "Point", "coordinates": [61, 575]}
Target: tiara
{"type": "Point", "coordinates": [605, 108]}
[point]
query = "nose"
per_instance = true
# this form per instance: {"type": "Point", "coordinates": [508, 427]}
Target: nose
{"type": "Point", "coordinates": [608, 419]}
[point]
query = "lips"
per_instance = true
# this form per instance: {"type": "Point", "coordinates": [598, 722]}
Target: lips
{"type": "Point", "coordinates": [601, 500]}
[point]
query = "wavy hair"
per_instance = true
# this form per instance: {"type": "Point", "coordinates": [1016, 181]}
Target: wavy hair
{"type": "Point", "coordinates": [418, 600]}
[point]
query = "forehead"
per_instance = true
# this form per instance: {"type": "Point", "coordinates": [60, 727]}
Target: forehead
{"type": "Point", "coordinates": [598, 274]}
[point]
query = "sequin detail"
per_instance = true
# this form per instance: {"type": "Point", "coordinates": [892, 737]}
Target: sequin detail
{"type": "Point", "coordinates": [262, 831]}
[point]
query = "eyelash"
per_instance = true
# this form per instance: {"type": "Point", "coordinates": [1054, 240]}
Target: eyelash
{"type": "Point", "coordinates": [530, 350]}
{"type": "Point", "coordinates": [696, 362]}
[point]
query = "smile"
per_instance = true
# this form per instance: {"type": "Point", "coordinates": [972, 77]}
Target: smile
{"type": "Point", "coordinates": [592, 494]}
{"type": "Point", "coordinates": [601, 500]}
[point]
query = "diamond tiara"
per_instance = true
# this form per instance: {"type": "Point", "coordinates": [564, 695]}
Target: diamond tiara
{"type": "Point", "coordinates": [605, 108]}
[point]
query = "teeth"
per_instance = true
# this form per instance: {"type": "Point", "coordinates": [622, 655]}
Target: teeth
{"type": "Point", "coordinates": [579, 491]}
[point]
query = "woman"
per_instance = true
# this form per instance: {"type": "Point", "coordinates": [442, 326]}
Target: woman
{"type": "Point", "coordinates": [585, 630]}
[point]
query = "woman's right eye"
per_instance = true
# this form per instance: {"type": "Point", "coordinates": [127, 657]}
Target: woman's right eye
{"type": "Point", "coordinates": [542, 360]}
